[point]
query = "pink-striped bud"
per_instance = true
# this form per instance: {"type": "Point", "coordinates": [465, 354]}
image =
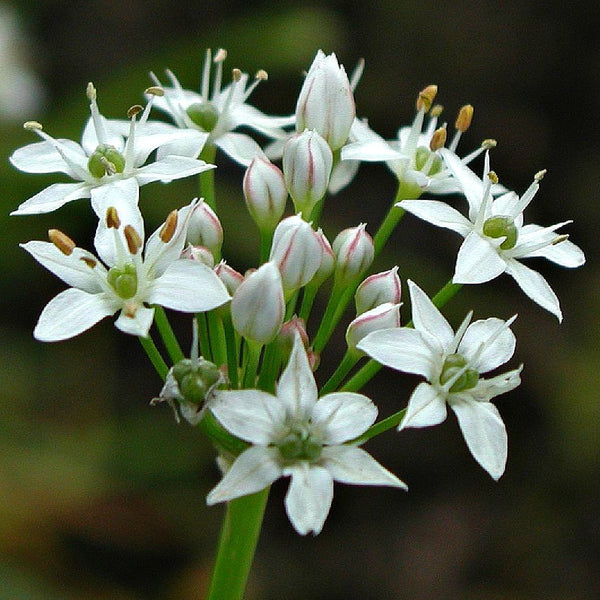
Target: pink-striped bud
{"type": "Point", "coordinates": [265, 192]}
{"type": "Point", "coordinates": [199, 253]}
{"type": "Point", "coordinates": [307, 163]}
{"type": "Point", "coordinates": [205, 229]}
{"type": "Point", "coordinates": [229, 276]}
{"type": "Point", "coordinates": [354, 252]}
{"type": "Point", "coordinates": [384, 316]}
{"type": "Point", "coordinates": [296, 251]}
{"type": "Point", "coordinates": [378, 289]}
{"type": "Point", "coordinates": [327, 265]}
{"type": "Point", "coordinates": [257, 306]}
{"type": "Point", "coordinates": [326, 102]}
{"type": "Point", "coordinates": [287, 336]}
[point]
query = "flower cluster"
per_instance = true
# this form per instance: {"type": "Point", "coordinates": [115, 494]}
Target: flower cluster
{"type": "Point", "coordinates": [249, 382]}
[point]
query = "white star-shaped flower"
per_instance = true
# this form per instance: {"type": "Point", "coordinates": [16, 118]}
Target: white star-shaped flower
{"type": "Point", "coordinates": [495, 237]}
{"type": "Point", "coordinates": [110, 159]}
{"type": "Point", "coordinates": [130, 281]}
{"type": "Point", "coordinates": [220, 113]}
{"type": "Point", "coordinates": [451, 364]}
{"type": "Point", "coordinates": [295, 434]}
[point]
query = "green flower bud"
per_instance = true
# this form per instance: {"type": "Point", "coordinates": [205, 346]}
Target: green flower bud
{"type": "Point", "coordinates": [452, 365]}
{"type": "Point", "coordinates": [123, 280]}
{"type": "Point", "coordinates": [204, 114]}
{"type": "Point", "coordinates": [195, 378]}
{"type": "Point", "coordinates": [502, 226]}
{"type": "Point", "coordinates": [106, 160]}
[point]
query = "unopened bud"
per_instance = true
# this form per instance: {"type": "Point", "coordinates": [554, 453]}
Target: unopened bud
{"type": "Point", "coordinates": [200, 254]}
{"type": "Point", "coordinates": [134, 242]}
{"type": "Point", "coordinates": [229, 276]}
{"type": "Point", "coordinates": [205, 229]}
{"type": "Point", "coordinates": [287, 336]}
{"type": "Point", "coordinates": [465, 116]}
{"type": "Point", "coordinates": [378, 289]}
{"type": "Point", "coordinates": [438, 139]}
{"type": "Point", "coordinates": [384, 316]}
{"type": "Point", "coordinates": [426, 97]}
{"type": "Point", "coordinates": [327, 265]}
{"type": "Point", "coordinates": [62, 241]}
{"type": "Point", "coordinates": [354, 252]}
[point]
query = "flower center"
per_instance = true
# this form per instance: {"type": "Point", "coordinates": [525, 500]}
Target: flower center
{"type": "Point", "coordinates": [452, 365]}
{"type": "Point", "coordinates": [106, 160]}
{"type": "Point", "coordinates": [123, 280]}
{"type": "Point", "coordinates": [203, 114]}
{"type": "Point", "coordinates": [502, 226]}
{"type": "Point", "coordinates": [298, 445]}
{"type": "Point", "coordinates": [426, 158]}
{"type": "Point", "coordinates": [195, 378]}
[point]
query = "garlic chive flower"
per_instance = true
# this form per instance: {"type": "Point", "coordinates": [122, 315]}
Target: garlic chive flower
{"type": "Point", "coordinates": [495, 238]}
{"type": "Point", "coordinates": [110, 153]}
{"type": "Point", "coordinates": [452, 364]}
{"type": "Point", "coordinates": [127, 282]}
{"type": "Point", "coordinates": [220, 111]}
{"type": "Point", "coordinates": [295, 434]}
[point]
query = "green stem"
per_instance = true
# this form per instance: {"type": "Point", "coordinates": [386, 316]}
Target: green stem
{"type": "Point", "coordinates": [308, 298]}
{"type": "Point", "coordinates": [349, 360]}
{"type": "Point", "coordinates": [203, 336]}
{"type": "Point", "coordinates": [383, 425]}
{"type": "Point", "coordinates": [326, 326]}
{"type": "Point", "coordinates": [362, 377]}
{"type": "Point", "coordinates": [239, 536]}
{"type": "Point", "coordinates": [266, 239]}
{"type": "Point", "coordinates": [232, 353]}
{"type": "Point", "coordinates": [251, 360]}
{"type": "Point", "coordinates": [217, 338]}
{"type": "Point", "coordinates": [206, 179]}
{"type": "Point", "coordinates": [168, 336]}
{"type": "Point", "coordinates": [446, 294]}
{"type": "Point", "coordinates": [154, 355]}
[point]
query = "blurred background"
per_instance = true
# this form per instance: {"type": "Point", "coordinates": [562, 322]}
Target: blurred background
{"type": "Point", "coordinates": [102, 496]}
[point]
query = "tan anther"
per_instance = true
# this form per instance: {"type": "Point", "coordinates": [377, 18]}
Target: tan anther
{"type": "Point", "coordinates": [154, 90]}
{"type": "Point", "coordinates": [130, 309]}
{"type": "Point", "coordinates": [438, 139]}
{"type": "Point", "coordinates": [540, 175]}
{"type": "Point", "coordinates": [168, 229]}
{"type": "Point", "coordinates": [90, 262]}
{"type": "Point", "coordinates": [465, 116]}
{"type": "Point", "coordinates": [62, 241]}
{"type": "Point", "coordinates": [560, 238]}
{"type": "Point", "coordinates": [112, 218]}
{"type": "Point", "coordinates": [32, 125]}
{"type": "Point", "coordinates": [220, 56]}
{"type": "Point", "coordinates": [493, 177]}
{"type": "Point", "coordinates": [261, 75]}
{"type": "Point", "coordinates": [436, 110]}
{"type": "Point", "coordinates": [90, 91]}
{"type": "Point", "coordinates": [489, 144]}
{"type": "Point", "coordinates": [236, 74]}
{"type": "Point", "coordinates": [134, 241]}
{"type": "Point", "coordinates": [426, 97]}
{"type": "Point", "coordinates": [134, 111]}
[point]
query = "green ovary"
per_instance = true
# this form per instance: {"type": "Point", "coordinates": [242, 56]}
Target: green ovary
{"type": "Point", "coordinates": [106, 160]}
{"type": "Point", "coordinates": [195, 378]}
{"type": "Point", "coordinates": [502, 226]}
{"type": "Point", "coordinates": [204, 114]}
{"type": "Point", "coordinates": [422, 155]}
{"type": "Point", "coordinates": [298, 445]}
{"type": "Point", "coordinates": [124, 281]}
{"type": "Point", "coordinates": [452, 365]}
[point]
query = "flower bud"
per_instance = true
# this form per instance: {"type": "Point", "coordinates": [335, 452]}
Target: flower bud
{"type": "Point", "coordinates": [258, 307]}
{"type": "Point", "coordinates": [354, 252]}
{"type": "Point", "coordinates": [378, 289]}
{"type": "Point", "coordinates": [296, 251]}
{"type": "Point", "coordinates": [265, 192]}
{"type": "Point", "coordinates": [229, 276]}
{"type": "Point", "coordinates": [326, 103]}
{"type": "Point", "coordinates": [287, 336]}
{"type": "Point", "coordinates": [384, 316]}
{"type": "Point", "coordinates": [307, 163]}
{"type": "Point", "coordinates": [327, 265]}
{"type": "Point", "coordinates": [199, 253]}
{"type": "Point", "coordinates": [205, 229]}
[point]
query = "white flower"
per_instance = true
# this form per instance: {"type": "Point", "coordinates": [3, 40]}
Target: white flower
{"type": "Point", "coordinates": [495, 237]}
{"type": "Point", "coordinates": [223, 111]}
{"type": "Point", "coordinates": [295, 434]}
{"type": "Point", "coordinates": [108, 162]}
{"type": "Point", "coordinates": [160, 277]}
{"type": "Point", "coordinates": [452, 363]}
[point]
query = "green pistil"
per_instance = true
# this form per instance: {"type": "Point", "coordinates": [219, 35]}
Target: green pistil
{"type": "Point", "coordinates": [124, 281]}
{"type": "Point", "coordinates": [204, 114]}
{"type": "Point", "coordinates": [422, 155]}
{"type": "Point", "coordinates": [452, 365]}
{"type": "Point", "coordinates": [298, 445]}
{"type": "Point", "coordinates": [106, 160]}
{"type": "Point", "coordinates": [502, 226]}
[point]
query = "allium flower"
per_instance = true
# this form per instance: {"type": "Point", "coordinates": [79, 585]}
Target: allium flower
{"type": "Point", "coordinates": [451, 364]}
{"type": "Point", "coordinates": [109, 162]}
{"type": "Point", "coordinates": [159, 277]}
{"type": "Point", "coordinates": [295, 434]}
{"type": "Point", "coordinates": [223, 111]}
{"type": "Point", "coordinates": [495, 237]}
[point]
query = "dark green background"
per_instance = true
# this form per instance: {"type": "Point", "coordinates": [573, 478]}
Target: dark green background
{"type": "Point", "coordinates": [102, 496]}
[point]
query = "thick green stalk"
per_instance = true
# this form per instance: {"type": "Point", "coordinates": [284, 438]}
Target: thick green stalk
{"type": "Point", "coordinates": [239, 536]}
{"type": "Point", "coordinates": [232, 352]}
{"type": "Point", "coordinates": [380, 427]}
{"type": "Point", "coordinates": [217, 338]}
{"type": "Point", "coordinates": [154, 355]}
{"type": "Point", "coordinates": [349, 360]}
{"type": "Point", "coordinates": [167, 335]}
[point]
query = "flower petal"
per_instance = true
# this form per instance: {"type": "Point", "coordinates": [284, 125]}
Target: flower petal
{"type": "Point", "coordinates": [477, 261]}
{"type": "Point", "coordinates": [253, 470]}
{"type": "Point", "coordinates": [239, 146]}
{"type": "Point", "coordinates": [470, 183]}
{"type": "Point", "coordinates": [565, 253]}
{"type": "Point", "coordinates": [498, 344]}
{"type": "Point", "coordinates": [309, 497]}
{"type": "Point", "coordinates": [439, 214]}
{"type": "Point", "coordinates": [251, 415]}
{"type": "Point", "coordinates": [349, 464]}
{"type": "Point", "coordinates": [427, 406]}
{"type": "Point", "coordinates": [169, 168]}
{"type": "Point", "coordinates": [52, 198]}
{"type": "Point", "coordinates": [71, 313]}
{"type": "Point", "coordinates": [43, 157]}
{"type": "Point", "coordinates": [136, 322]}
{"type": "Point", "coordinates": [427, 317]}
{"type": "Point", "coordinates": [486, 389]}
{"type": "Point", "coordinates": [342, 416]}
{"type": "Point", "coordinates": [485, 434]}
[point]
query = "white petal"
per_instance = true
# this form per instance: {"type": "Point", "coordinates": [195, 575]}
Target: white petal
{"type": "Point", "coordinates": [496, 353]}
{"type": "Point", "coordinates": [470, 183]}
{"type": "Point", "coordinates": [485, 434]}
{"type": "Point", "coordinates": [53, 197]}
{"type": "Point", "coordinates": [370, 151]}
{"type": "Point", "coordinates": [71, 269]}
{"type": "Point", "coordinates": [535, 286]}
{"type": "Point", "coordinates": [427, 406]}
{"type": "Point", "coordinates": [309, 497]}
{"type": "Point", "coordinates": [565, 254]}
{"type": "Point", "coordinates": [251, 415]}
{"type": "Point", "coordinates": [253, 470]}
{"type": "Point", "coordinates": [137, 324]}
{"type": "Point", "coordinates": [342, 174]}
{"type": "Point", "coordinates": [477, 261]}
{"type": "Point", "coordinates": [439, 214]}
{"type": "Point", "coordinates": [188, 286]}
{"type": "Point", "coordinates": [43, 157]}
{"type": "Point", "coordinates": [427, 317]}
{"type": "Point", "coordinates": [342, 416]}
{"type": "Point", "coordinates": [348, 464]}
{"type": "Point", "coordinates": [189, 143]}
{"type": "Point", "coordinates": [71, 313]}
{"type": "Point", "coordinates": [487, 389]}
{"type": "Point", "coordinates": [239, 146]}
{"type": "Point", "coordinates": [400, 348]}
{"type": "Point", "coordinates": [169, 168]}
{"type": "Point", "coordinates": [297, 388]}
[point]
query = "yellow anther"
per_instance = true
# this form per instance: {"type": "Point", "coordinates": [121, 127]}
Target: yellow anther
{"type": "Point", "coordinates": [493, 177]}
{"type": "Point", "coordinates": [261, 75]}
{"type": "Point", "coordinates": [540, 175]}
{"type": "Point", "coordinates": [134, 241]}
{"type": "Point", "coordinates": [220, 56]}
{"type": "Point", "coordinates": [438, 139]}
{"type": "Point", "coordinates": [112, 218]}
{"type": "Point", "coordinates": [154, 90]}
{"type": "Point", "coordinates": [489, 144]}
{"type": "Point", "coordinates": [426, 97]}
{"type": "Point", "coordinates": [134, 111]}
{"type": "Point", "coordinates": [32, 126]}
{"type": "Point", "coordinates": [560, 238]}
{"type": "Point", "coordinates": [465, 116]}
{"type": "Point", "coordinates": [62, 241]}
{"type": "Point", "coordinates": [436, 110]}
{"type": "Point", "coordinates": [236, 74]}
{"type": "Point", "coordinates": [90, 91]}
{"type": "Point", "coordinates": [90, 262]}
{"type": "Point", "coordinates": [168, 229]}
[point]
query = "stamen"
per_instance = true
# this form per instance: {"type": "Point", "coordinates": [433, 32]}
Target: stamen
{"type": "Point", "coordinates": [261, 75]}
{"type": "Point", "coordinates": [438, 139]}
{"type": "Point", "coordinates": [426, 97]}
{"type": "Point", "coordinates": [436, 111]}
{"type": "Point", "coordinates": [465, 116]}
{"type": "Point", "coordinates": [493, 177]}
{"type": "Point", "coordinates": [489, 144]}
{"type": "Point", "coordinates": [559, 239]}
{"type": "Point", "coordinates": [32, 126]}
{"type": "Point", "coordinates": [168, 229]}
{"type": "Point", "coordinates": [112, 218]}
{"type": "Point", "coordinates": [205, 89]}
{"type": "Point", "coordinates": [90, 262]}
{"type": "Point", "coordinates": [155, 90]}
{"type": "Point", "coordinates": [357, 73]}
{"type": "Point", "coordinates": [540, 175]}
{"type": "Point", "coordinates": [218, 60]}
{"type": "Point", "coordinates": [62, 241]}
{"type": "Point", "coordinates": [134, 242]}
{"type": "Point", "coordinates": [96, 116]}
